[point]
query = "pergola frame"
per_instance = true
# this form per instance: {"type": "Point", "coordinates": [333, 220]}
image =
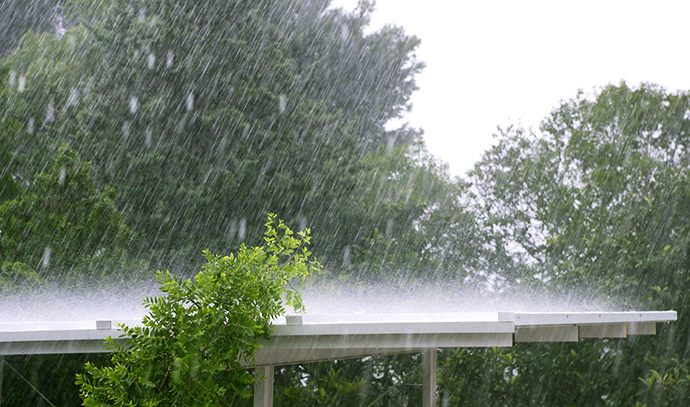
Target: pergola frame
{"type": "Point", "coordinates": [314, 338]}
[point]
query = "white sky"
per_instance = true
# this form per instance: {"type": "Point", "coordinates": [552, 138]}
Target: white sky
{"type": "Point", "coordinates": [498, 62]}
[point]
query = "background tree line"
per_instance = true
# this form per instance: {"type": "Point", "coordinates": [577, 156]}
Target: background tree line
{"type": "Point", "coordinates": [147, 131]}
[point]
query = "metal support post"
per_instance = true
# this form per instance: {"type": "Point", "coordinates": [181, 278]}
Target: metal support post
{"type": "Point", "coordinates": [429, 383]}
{"type": "Point", "coordinates": [2, 364]}
{"type": "Point", "coordinates": [263, 388]}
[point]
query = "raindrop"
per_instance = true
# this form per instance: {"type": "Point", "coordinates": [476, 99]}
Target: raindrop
{"type": "Point", "coordinates": [152, 60]}
{"type": "Point", "coordinates": [169, 61]}
{"type": "Point", "coordinates": [149, 137]}
{"type": "Point", "coordinates": [344, 32]}
{"type": "Point", "coordinates": [13, 78]}
{"type": "Point", "coordinates": [63, 176]}
{"type": "Point", "coordinates": [223, 143]}
{"type": "Point", "coordinates": [126, 129]}
{"type": "Point", "coordinates": [142, 14]}
{"type": "Point", "coordinates": [190, 101]}
{"type": "Point", "coordinates": [242, 229]}
{"type": "Point", "coordinates": [390, 142]}
{"type": "Point", "coordinates": [45, 260]}
{"type": "Point", "coordinates": [302, 223]}
{"type": "Point", "coordinates": [282, 103]}
{"type": "Point", "coordinates": [389, 228]}
{"type": "Point", "coordinates": [22, 84]}
{"type": "Point", "coordinates": [346, 256]}
{"type": "Point", "coordinates": [73, 97]}
{"type": "Point", "coordinates": [233, 230]}
{"type": "Point", "coordinates": [30, 126]}
{"type": "Point", "coordinates": [50, 113]}
{"type": "Point", "coordinates": [136, 54]}
{"type": "Point", "coordinates": [208, 175]}
{"type": "Point", "coordinates": [60, 29]}
{"type": "Point", "coordinates": [133, 104]}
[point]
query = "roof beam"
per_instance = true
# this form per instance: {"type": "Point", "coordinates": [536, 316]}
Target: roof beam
{"type": "Point", "coordinates": [603, 331]}
{"type": "Point", "coordinates": [362, 335]}
{"type": "Point", "coordinates": [568, 333]}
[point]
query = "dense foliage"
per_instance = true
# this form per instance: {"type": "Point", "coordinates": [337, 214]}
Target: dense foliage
{"type": "Point", "coordinates": [62, 220]}
{"type": "Point", "coordinates": [188, 350]}
{"type": "Point", "coordinates": [204, 116]}
{"type": "Point", "coordinates": [596, 202]}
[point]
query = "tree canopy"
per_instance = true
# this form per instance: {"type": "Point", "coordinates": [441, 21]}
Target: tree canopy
{"type": "Point", "coordinates": [204, 116]}
{"type": "Point", "coordinates": [593, 205]}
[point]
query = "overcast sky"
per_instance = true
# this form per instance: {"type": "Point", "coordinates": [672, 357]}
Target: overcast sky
{"type": "Point", "coordinates": [495, 63]}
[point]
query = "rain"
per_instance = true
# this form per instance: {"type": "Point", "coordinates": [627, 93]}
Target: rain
{"type": "Point", "coordinates": [209, 168]}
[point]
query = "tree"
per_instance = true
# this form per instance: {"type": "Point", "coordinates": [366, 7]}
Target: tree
{"type": "Point", "coordinates": [63, 210]}
{"type": "Point", "coordinates": [206, 115]}
{"type": "Point", "coordinates": [189, 348]}
{"type": "Point", "coordinates": [595, 204]}
{"type": "Point", "coordinates": [17, 17]}
{"type": "Point", "coordinates": [62, 225]}
{"type": "Point", "coordinates": [8, 127]}
{"type": "Point", "coordinates": [9, 187]}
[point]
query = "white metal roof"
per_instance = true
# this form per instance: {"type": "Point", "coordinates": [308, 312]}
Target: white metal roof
{"type": "Point", "coordinates": [309, 338]}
